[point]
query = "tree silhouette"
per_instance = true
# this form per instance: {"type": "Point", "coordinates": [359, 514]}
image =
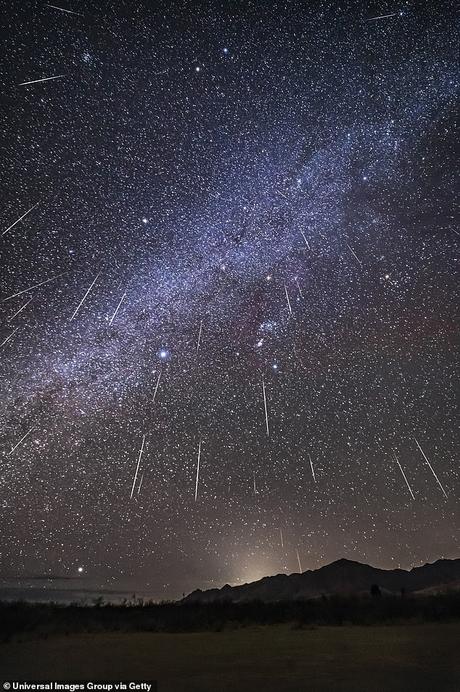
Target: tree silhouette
{"type": "Point", "coordinates": [375, 591]}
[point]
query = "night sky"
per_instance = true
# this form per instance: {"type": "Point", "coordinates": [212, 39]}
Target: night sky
{"type": "Point", "coordinates": [238, 247]}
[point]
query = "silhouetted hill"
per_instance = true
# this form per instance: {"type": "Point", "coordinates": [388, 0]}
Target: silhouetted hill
{"type": "Point", "coordinates": [341, 577]}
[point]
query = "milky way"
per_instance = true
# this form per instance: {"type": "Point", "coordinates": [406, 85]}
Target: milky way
{"type": "Point", "coordinates": [228, 230]}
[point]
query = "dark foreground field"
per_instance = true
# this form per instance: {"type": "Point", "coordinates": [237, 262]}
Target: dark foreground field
{"type": "Point", "coordinates": [396, 658]}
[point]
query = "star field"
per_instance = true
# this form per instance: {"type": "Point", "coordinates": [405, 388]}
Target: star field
{"type": "Point", "coordinates": [239, 248]}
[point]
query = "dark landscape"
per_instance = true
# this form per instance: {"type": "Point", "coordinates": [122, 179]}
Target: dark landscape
{"type": "Point", "coordinates": [342, 593]}
{"type": "Point", "coordinates": [323, 625]}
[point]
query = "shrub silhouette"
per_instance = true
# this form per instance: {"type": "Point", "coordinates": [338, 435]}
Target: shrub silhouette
{"type": "Point", "coordinates": [41, 620]}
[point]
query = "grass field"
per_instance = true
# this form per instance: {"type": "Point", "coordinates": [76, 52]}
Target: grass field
{"type": "Point", "coordinates": [422, 658]}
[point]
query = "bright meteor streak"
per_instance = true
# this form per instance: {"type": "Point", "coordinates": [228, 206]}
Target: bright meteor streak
{"type": "Point", "coordinates": [298, 560]}
{"type": "Point", "coordinates": [381, 16]}
{"type": "Point", "coordinates": [156, 387]}
{"type": "Point", "coordinates": [306, 241]}
{"type": "Point", "coordinates": [9, 337]}
{"type": "Point", "coordinates": [20, 218]}
{"type": "Point", "coordinates": [61, 9]}
{"type": "Point", "coordinates": [43, 79]}
{"type": "Point", "coordinates": [312, 469]}
{"type": "Point", "coordinates": [354, 255]}
{"type": "Point", "coordinates": [404, 476]}
{"type": "Point", "coordinates": [18, 311]}
{"type": "Point", "coordinates": [117, 308]}
{"type": "Point", "coordinates": [137, 467]}
{"type": "Point", "coordinates": [287, 298]}
{"type": "Point", "coordinates": [197, 470]}
{"type": "Point", "coordinates": [42, 283]}
{"type": "Point", "coordinates": [431, 468]}
{"type": "Point", "coordinates": [84, 298]}
{"type": "Point", "coordinates": [265, 408]}
{"type": "Point", "coordinates": [199, 336]}
{"type": "Point", "coordinates": [21, 440]}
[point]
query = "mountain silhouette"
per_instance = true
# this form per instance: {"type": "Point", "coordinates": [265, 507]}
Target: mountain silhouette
{"type": "Point", "coordinates": [344, 577]}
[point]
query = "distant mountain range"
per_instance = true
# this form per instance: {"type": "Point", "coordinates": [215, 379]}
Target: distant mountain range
{"type": "Point", "coordinates": [340, 577]}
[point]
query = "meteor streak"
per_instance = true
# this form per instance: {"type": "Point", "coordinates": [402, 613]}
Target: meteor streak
{"type": "Point", "coordinates": [306, 241]}
{"type": "Point", "coordinates": [381, 16]}
{"type": "Point", "coordinates": [20, 218]}
{"type": "Point", "coordinates": [21, 440]}
{"type": "Point", "coordinates": [354, 255]}
{"type": "Point", "coordinates": [140, 484]}
{"type": "Point", "coordinates": [84, 297]}
{"type": "Point", "coordinates": [137, 467]}
{"type": "Point", "coordinates": [298, 286]}
{"type": "Point", "coordinates": [298, 560]}
{"type": "Point", "coordinates": [43, 79]}
{"type": "Point", "coordinates": [18, 311]}
{"type": "Point", "coordinates": [9, 337]}
{"type": "Point", "coordinates": [42, 283]}
{"type": "Point", "coordinates": [61, 9]}
{"type": "Point", "coordinates": [312, 469]}
{"type": "Point", "coordinates": [199, 336]}
{"type": "Point", "coordinates": [281, 538]}
{"type": "Point", "coordinates": [156, 387]}
{"type": "Point", "coordinates": [287, 298]}
{"type": "Point", "coordinates": [431, 468]}
{"type": "Point", "coordinates": [265, 408]}
{"type": "Point", "coordinates": [404, 476]}
{"type": "Point", "coordinates": [197, 470]}
{"type": "Point", "coordinates": [117, 308]}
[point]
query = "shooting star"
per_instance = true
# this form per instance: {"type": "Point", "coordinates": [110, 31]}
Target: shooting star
{"type": "Point", "coordinates": [199, 336]}
{"type": "Point", "coordinates": [21, 440]}
{"type": "Point", "coordinates": [298, 286]}
{"type": "Point", "coordinates": [404, 476]}
{"type": "Point", "coordinates": [31, 288]}
{"type": "Point", "coordinates": [354, 255]}
{"type": "Point", "coordinates": [197, 470]}
{"type": "Point", "coordinates": [156, 387]}
{"type": "Point", "coordinates": [18, 311]}
{"type": "Point", "coordinates": [61, 9]}
{"type": "Point", "coordinates": [137, 467]}
{"type": "Point", "coordinates": [431, 468]}
{"type": "Point", "coordinates": [140, 484]}
{"type": "Point", "coordinates": [256, 492]}
{"type": "Point", "coordinates": [287, 298]}
{"type": "Point", "coordinates": [118, 307]}
{"type": "Point", "coordinates": [9, 337]}
{"type": "Point", "coordinates": [381, 16]}
{"type": "Point", "coordinates": [306, 241]}
{"type": "Point", "coordinates": [298, 560]}
{"type": "Point", "coordinates": [84, 297]}
{"type": "Point", "coordinates": [43, 79]}
{"type": "Point", "coordinates": [281, 538]}
{"type": "Point", "coordinates": [265, 408]}
{"type": "Point", "coordinates": [20, 218]}
{"type": "Point", "coordinates": [312, 469]}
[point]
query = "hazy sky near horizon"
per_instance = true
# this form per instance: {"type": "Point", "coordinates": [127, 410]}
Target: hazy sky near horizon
{"type": "Point", "coordinates": [229, 290]}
